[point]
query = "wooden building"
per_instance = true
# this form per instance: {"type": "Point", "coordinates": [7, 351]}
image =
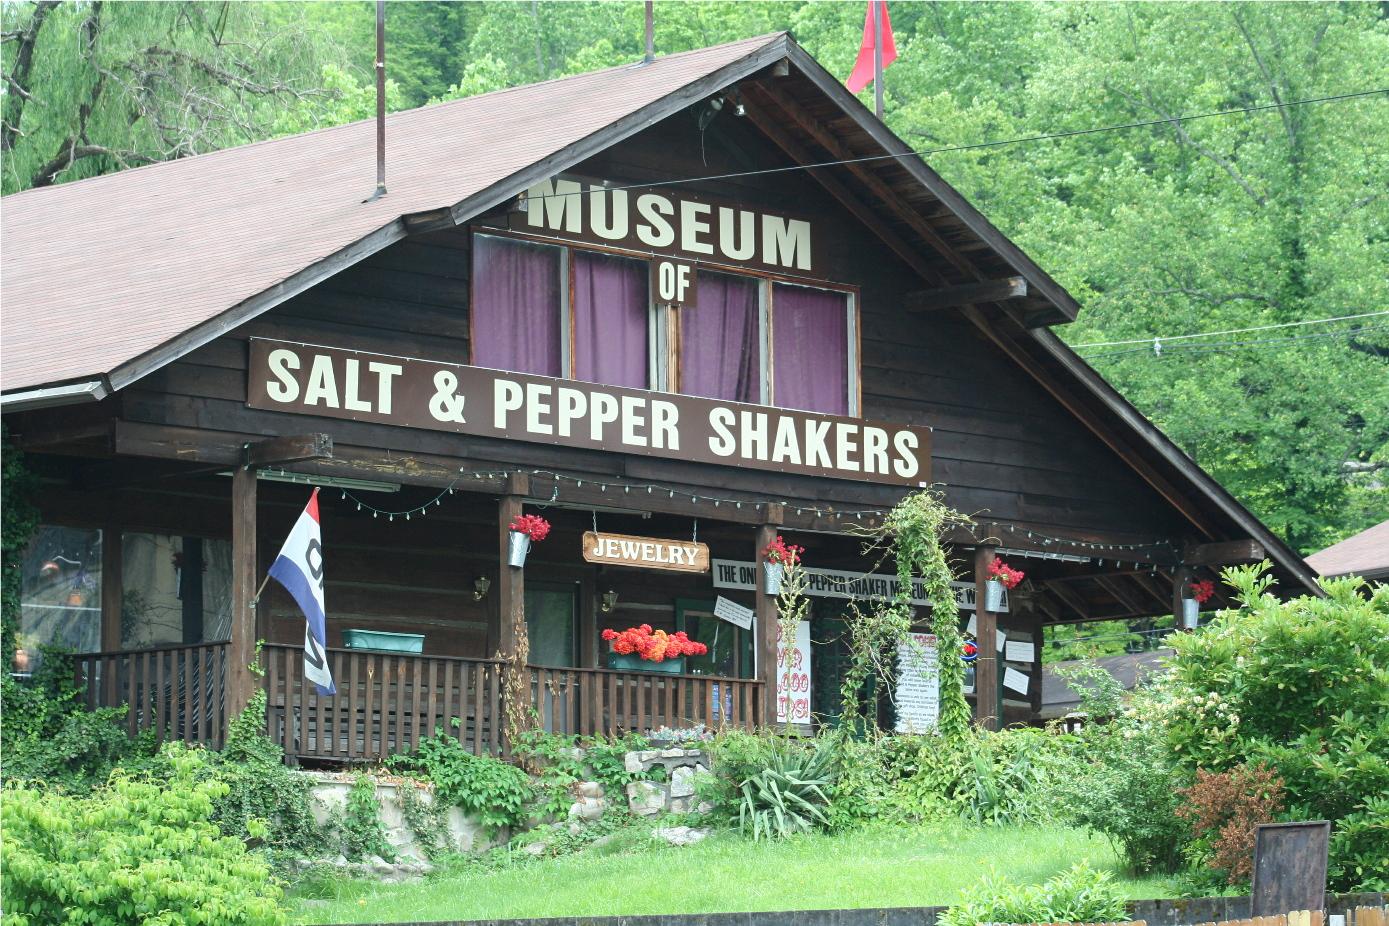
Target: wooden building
{"type": "Point", "coordinates": [624, 300]}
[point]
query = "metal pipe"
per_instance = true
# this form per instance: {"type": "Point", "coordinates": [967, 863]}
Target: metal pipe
{"type": "Point", "coordinates": [380, 99]}
{"type": "Point", "coordinates": [877, 58]}
{"type": "Point", "coordinates": [650, 32]}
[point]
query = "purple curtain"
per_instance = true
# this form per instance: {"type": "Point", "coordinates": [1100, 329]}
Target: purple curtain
{"type": "Point", "coordinates": [810, 349]}
{"type": "Point", "coordinates": [719, 354]}
{"type": "Point", "coordinates": [516, 300]}
{"type": "Point", "coordinates": [611, 309]}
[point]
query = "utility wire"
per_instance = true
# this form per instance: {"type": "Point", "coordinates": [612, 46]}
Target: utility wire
{"type": "Point", "coordinates": [1221, 347]}
{"type": "Point", "coordinates": [1165, 338]}
{"type": "Point", "coordinates": [923, 152]}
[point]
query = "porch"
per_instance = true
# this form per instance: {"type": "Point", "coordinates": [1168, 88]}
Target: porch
{"type": "Point", "coordinates": [387, 702]}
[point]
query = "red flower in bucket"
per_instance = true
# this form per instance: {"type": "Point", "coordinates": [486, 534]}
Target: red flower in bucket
{"type": "Point", "coordinates": [1202, 591]}
{"type": "Point", "coordinates": [1001, 572]}
{"type": "Point", "coordinates": [779, 551]}
{"type": "Point", "coordinates": [653, 646]}
{"type": "Point", "coordinates": [532, 525]}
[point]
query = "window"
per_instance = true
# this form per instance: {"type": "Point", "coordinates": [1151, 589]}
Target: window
{"type": "Point", "coordinates": [174, 590]}
{"type": "Point", "coordinates": [571, 312]}
{"type": "Point", "coordinates": [60, 594]}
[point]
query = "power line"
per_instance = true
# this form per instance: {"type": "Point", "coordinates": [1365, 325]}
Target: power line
{"type": "Point", "coordinates": [1211, 334]}
{"type": "Point", "coordinates": [1222, 347]}
{"type": "Point", "coordinates": [923, 152]}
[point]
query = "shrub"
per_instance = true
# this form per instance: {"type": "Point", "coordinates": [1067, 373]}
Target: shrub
{"type": "Point", "coordinates": [561, 761]}
{"type": "Point", "coordinates": [494, 792]}
{"type": "Point", "coordinates": [1224, 808]}
{"type": "Point", "coordinates": [1080, 895]}
{"type": "Point", "coordinates": [134, 851]}
{"type": "Point", "coordinates": [1300, 686]}
{"type": "Point", "coordinates": [1360, 848]}
{"type": "Point", "coordinates": [789, 794]}
{"type": "Point", "coordinates": [361, 829]}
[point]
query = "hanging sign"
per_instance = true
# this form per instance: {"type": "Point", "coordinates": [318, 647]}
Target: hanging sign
{"type": "Point", "coordinates": [1015, 680]}
{"type": "Point", "coordinates": [841, 583]}
{"type": "Point", "coordinates": [645, 552]}
{"type": "Point", "coordinates": [330, 382]}
{"type": "Point", "coordinates": [1020, 651]}
{"type": "Point", "coordinates": [733, 612]}
{"type": "Point", "coordinates": [918, 684]}
{"type": "Point", "coordinates": [793, 676]}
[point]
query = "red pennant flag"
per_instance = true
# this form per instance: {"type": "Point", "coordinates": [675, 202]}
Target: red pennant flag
{"type": "Point", "coordinates": [863, 67]}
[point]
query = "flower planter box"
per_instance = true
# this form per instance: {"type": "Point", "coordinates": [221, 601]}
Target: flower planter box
{"type": "Point", "coordinates": [631, 662]}
{"type": "Point", "coordinates": [382, 641]}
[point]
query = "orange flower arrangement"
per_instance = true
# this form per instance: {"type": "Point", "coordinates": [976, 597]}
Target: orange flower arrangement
{"type": "Point", "coordinates": [653, 646]}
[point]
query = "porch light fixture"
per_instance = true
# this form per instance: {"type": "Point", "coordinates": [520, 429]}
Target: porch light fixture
{"type": "Point", "coordinates": [609, 601]}
{"type": "Point", "coordinates": [481, 585]}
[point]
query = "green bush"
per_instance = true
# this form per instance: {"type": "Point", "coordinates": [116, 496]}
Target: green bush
{"type": "Point", "coordinates": [495, 792]}
{"type": "Point", "coordinates": [780, 786]}
{"type": "Point", "coordinates": [361, 829]}
{"type": "Point", "coordinates": [561, 761]}
{"type": "Point", "coordinates": [135, 851]}
{"type": "Point", "coordinates": [1080, 895]}
{"type": "Point", "coordinates": [1301, 686]}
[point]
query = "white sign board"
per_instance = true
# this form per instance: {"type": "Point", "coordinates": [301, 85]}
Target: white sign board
{"type": "Point", "coordinates": [918, 684]}
{"type": "Point", "coordinates": [733, 612]}
{"type": "Point", "coordinates": [840, 583]}
{"type": "Point", "coordinates": [793, 676]}
{"type": "Point", "coordinates": [1015, 680]}
{"type": "Point", "coordinates": [1020, 651]}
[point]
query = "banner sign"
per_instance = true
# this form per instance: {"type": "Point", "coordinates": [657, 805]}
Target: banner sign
{"type": "Point", "coordinates": [918, 684]}
{"type": "Point", "coordinates": [645, 552]}
{"type": "Point", "coordinates": [299, 568]}
{"type": "Point", "coordinates": [306, 379]}
{"type": "Point", "coordinates": [840, 583]}
{"type": "Point", "coordinates": [793, 676]}
{"type": "Point", "coordinates": [733, 612]}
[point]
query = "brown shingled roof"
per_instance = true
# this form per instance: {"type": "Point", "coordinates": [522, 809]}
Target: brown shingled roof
{"type": "Point", "coordinates": [100, 272]}
{"type": "Point", "coordinates": [1366, 554]}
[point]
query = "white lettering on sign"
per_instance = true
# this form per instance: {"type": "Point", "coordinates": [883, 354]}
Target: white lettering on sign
{"type": "Point", "coordinates": [645, 552]}
{"type": "Point", "coordinates": [918, 684]}
{"type": "Point", "coordinates": [733, 612]}
{"type": "Point", "coordinates": [839, 583]}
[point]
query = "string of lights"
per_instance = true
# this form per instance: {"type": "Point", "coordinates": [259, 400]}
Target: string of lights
{"type": "Point", "coordinates": [628, 489]}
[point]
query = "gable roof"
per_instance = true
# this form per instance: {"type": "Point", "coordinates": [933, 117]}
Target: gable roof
{"type": "Point", "coordinates": [107, 279]}
{"type": "Point", "coordinates": [1366, 555]}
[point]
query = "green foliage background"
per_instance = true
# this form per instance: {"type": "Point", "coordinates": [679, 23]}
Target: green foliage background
{"type": "Point", "coordinates": [1170, 229]}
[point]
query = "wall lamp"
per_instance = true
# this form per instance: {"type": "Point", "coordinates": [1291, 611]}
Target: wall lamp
{"type": "Point", "coordinates": [609, 602]}
{"type": "Point", "coordinates": [481, 585]}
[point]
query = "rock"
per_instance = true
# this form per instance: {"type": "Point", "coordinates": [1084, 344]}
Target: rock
{"type": "Point", "coordinates": [587, 809]}
{"type": "Point", "coordinates": [695, 753]}
{"type": "Point", "coordinates": [649, 755]}
{"type": "Point", "coordinates": [536, 849]}
{"type": "Point", "coordinates": [590, 789]}
{"type": "Point", "coordinates": [700, 768]}
{"type": "Point", "coordinates": [681, 835]}
{"type": "Point", "coordinates": [704, 807]}
{"type": "Point", "coordinates": [680, 804]}
{"type": "Point", "coordinates": [682, 781]}
{"type": "Point", "coordinates": [377, 863]}
{"type": "Point", "coordinates": [632, 762]}
{"type": "Point", "coordinates": [341, 862]}
{"type": "Point", "coordinates": [646, 798]}
{"type": "Point", "coordinates": [672, 753]}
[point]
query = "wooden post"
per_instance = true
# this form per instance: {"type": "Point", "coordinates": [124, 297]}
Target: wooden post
{"type": "Point", "coordinates": [111, 587]}
{"type": "Point", "coordinates": [986, 706]}
{"type": "Point", "coordinates": [241, 682]}
{"type": "Point", "coordinates": [1181, 588]}
{"type": "Point", "coordinates": [765, 625]}
{"type": "Point", "coordinates": [512, 644]}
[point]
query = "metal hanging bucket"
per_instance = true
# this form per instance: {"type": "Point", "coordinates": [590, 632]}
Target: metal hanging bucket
{"type": "Point", "coordinates": [517, 548]}
{"type": "Point", "coordinates": [771, 576]}
{"type": "Point", "coordinates": [993, 595]}
{"type": "Point", "coordinates": [1191, 611]}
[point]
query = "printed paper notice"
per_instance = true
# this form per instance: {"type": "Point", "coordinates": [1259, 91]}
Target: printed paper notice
{"type": "Point", "coordinates": [733, 612]}
{"type": "Point", "coordinates": [1015, 680]}
{"type": "Point", "coordinates": [793, 677]}
{"type": "Point", "coordinates": [1019, 651]}
{"type": "Point", "coordinates": [918, 684]}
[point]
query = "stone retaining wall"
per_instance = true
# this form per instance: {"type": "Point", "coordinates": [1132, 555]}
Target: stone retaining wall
{"type": "Point", "coordinates": [673, 791]}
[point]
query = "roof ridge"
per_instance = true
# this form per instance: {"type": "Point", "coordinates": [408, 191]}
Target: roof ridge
{"type": "Point", "coordinates": [765, 38]}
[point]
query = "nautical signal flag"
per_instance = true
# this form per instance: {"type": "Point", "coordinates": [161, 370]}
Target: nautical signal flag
{"type": "Point", "coordinates": [299, 568]}
{"type": "Point", "coordinates": [863, 74]}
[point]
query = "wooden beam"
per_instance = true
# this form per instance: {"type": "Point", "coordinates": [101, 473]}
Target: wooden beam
{"type": "Point", "coordinates": [241, 652]}
{"type": "Point", "coordinates": [1146, 583]}
{"type": "Point", "coordinates": [986, 706]}
{"type": "Point", "coordinates": [860, 210]}
{"type": "Point", "coordinates": [1072, 600]}
{"type": "Point", "coordinates": [888, 197]}
{"type": "Point", "coordinates": [1224, 553]}
{"type": "Point", "coordinates": [765, 626]}
{"type": "Point", "coordinates": [949, 297]}
{"type": "Point", "coordinates": [292, 448]}
{"type": "Point", "coordinates": [1122, 595]}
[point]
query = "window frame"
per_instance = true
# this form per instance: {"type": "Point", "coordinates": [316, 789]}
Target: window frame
{"type": "Point", "coordinates": [663, 327]}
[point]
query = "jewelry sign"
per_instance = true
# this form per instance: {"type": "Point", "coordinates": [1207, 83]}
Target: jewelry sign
{"type": "Point", "coordinates": [645, 552]}
{"type": "Point", "coordinates": [330, 382]}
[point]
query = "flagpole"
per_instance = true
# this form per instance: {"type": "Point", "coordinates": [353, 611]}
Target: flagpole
{"type": "Point", "coordinates": [877, 58]}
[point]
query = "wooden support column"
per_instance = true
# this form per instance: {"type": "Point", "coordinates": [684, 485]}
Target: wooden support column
{"type": "Point", "coordinates": [513, 645]}
{"type": "Point", "coordinates": [241, 682]}
{"type": "Point", "coordinates": [1181, 588]}
{"type": "Point", "coordinates": [765, 625]}
{"type": "Point", "coordinates": [112, 589]}
{"type": "Point", "coordinates": [986, 706]}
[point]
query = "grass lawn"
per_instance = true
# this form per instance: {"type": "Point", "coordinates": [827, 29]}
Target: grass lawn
{"type": "Point", "coordinates": [895, 867]}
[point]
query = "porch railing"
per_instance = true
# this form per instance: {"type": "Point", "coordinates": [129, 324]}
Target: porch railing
{"type": "Point", "coordinates": [385, 703]}
{"type": "Point", "coordinates": [180, 692]}
{"type": "Point", "coordinates": [610, 703]}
